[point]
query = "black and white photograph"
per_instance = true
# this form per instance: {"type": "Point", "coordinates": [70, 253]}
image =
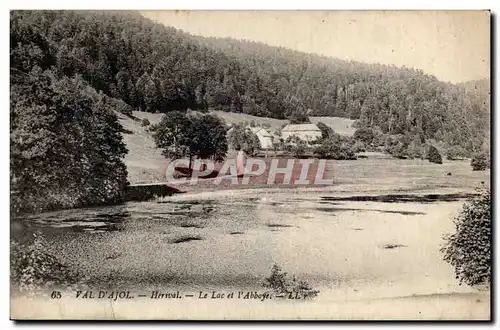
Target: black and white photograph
{"type": "Point", "coordinates": [250, 165]}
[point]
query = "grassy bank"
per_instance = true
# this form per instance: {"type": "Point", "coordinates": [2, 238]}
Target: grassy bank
{"type": "Point", "coordinates": [371, 175]}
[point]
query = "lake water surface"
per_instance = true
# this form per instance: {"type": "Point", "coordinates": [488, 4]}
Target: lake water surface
{"type": "Point", "coordinates": [364, 246]}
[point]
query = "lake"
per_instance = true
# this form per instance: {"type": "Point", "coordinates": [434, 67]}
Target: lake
{"type": "Point", "coordinates": [354, 246]}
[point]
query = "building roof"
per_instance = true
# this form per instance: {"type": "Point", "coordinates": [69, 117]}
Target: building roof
{"type": "Point", "coordinates": [260, 131]}
{"type": "Point", "coordinates": [301, 128]}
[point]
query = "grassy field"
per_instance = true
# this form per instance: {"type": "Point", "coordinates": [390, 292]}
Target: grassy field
{"type": "Point", "coordinates": [144, 161]}
{"type": "Point", "coordinates": [369, 176]}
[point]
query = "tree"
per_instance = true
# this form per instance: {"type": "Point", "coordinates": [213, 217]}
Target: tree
{"type": "Point", "coordinates": [298, 146]}
{"type": "Point", "coordinates": [326, 131]}
{"type": "Point", "coordinates": [455, 152]}
{"type": "Point", "coordinates": [174, 135]}
{"type": "Point", "coordinates": [335, 148]}
{"type": "Point", "coordinates": [145, 122]}
{"type": "Point", "coordinates": [468, 249]}
{"type": "Point", "coordinates": [66, 144]}
{"type": "Point", "coordinates": [396, 147]}
{"type": "Point", "coordinates": [209, 138]}
{"type": "Point", "coordinates": [434, 156]}
{"type": "Point", "coordinates": [480, 161]}
{"type": "Point", "coordinates": [194, 135]}
{"type": "Point", "coordinates": [298, 117]}
{"type": "Point", "coordinates": [242, 138]}
{"type": "Point", "coordinates": [365, 135]}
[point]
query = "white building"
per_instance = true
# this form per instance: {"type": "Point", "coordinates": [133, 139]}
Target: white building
{"type": "Point", "coordinates": [305, 132]}
{"type": "Point", "coordinates": [265, 138]}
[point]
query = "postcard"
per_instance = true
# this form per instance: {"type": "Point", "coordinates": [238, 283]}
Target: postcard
{"type": "Point", "coordinates": [250, 165]}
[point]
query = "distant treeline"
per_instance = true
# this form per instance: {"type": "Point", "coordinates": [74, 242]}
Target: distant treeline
{"type": "Point", "coordinates": [156, 68]}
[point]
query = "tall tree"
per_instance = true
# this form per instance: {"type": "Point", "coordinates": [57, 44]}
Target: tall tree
{"type": "Point", "coordinates": [180, 134]}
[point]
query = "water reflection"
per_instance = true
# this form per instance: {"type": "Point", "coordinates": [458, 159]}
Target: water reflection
{"type": "Point", "coordinates": [237, 215]}
{"type": "Point", "coordinates": [236, 240]}
{"type": "Point", "coordinates": [82, 220]}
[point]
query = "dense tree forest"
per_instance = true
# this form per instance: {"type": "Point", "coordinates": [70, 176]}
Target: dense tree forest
{"type": "Point", "coordinates": [159, 69]}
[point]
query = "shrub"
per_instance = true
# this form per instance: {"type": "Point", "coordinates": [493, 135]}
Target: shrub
{"type": "Point", "coordinates": [455, 152]}
{"type": "Point", "coordinates": [34, 269]}
{"type": "Point", "coordinates": [395, 146]}
{"type": "Point", "coordinates": [434, 156]}
{"type": "Point", "coordinates": [326, 131]}
{"type": "Point", "coordinates": [480, 162]}
{"type": "Point", "coordinates": [242, 138]}
{"type": "Point", "coordinates": [364, 134]}
{"type": "Point", "coordinates": [378, 137]}
{"type": "Point", "coordinates": [145, 122]}
{"type": "Point", "coordinates": [334, 148]}
{"type": "Point", "coordinates": [346, 152]}
{"type": "Point", "coordinates": [468, 250]}
{"type": "Point", "coordinates": [299, 148]}
{"type": "Point", "coordinates": [120, 106]}
{"type": "Point", "coordinates": [359, 146]}
{"type": "Point", "coordinates": [415, 149]}
{"type": "Point", "coordinates": [281, 284]}
{"type": "Point", "coordinates": [299, 116]}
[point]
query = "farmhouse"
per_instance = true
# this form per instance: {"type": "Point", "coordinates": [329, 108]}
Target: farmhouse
{"type": "Point", "coordinates": [265, 138]}
{"type": "Point", "coordinates": [305, 132]}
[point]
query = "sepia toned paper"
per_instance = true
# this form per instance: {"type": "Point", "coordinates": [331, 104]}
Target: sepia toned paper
{"type": "Point", "coordinates": [358, 235]}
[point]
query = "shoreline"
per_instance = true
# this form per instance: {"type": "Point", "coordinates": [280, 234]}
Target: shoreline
{"type": "Point", "coordinates": [334, 191]}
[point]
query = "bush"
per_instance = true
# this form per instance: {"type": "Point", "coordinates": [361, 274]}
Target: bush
{"type": "Point", "coordinates": [480, 162]}
{"type": "Point", "coordinates": [281, 284]}
{"type": "Point", "coordinates": [299, 116]}
{"type": "Point", "coordinates": [359, 147]}
{"type": "Point", "coordinates": [326, 131]}
{"type": "Point", "coordinates": [415, 149]}
{"type": "Point", "coordinates": [346, 153]}
{"type": "Point", "coordinates": [120, 106]}
{"type": "Point", "coordinates": [468, 250]}
{"type": "Point", "coordinates": [242, 138]}
{"type": "Point", "coordinates": [395, 146]}
{"type": "Point", "coordinates": [364, 134]}
{"type": "Point", "coordinates": [334, 148]}
{"type": "Point", "coordinates": [299, 148]}
{"type": "Point", "coordinates": [145, 122]}
{"type": "Point", "coordinates": [33, 269]}
{"type": "Point", "coordinates": [434, 156]}
{"type": "Point", "coordinates": [378, 137]}
{"type": "Point", "coordinates": [455, 152]}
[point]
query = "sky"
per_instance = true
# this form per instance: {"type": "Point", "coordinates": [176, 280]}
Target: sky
{"type": "Point", "coordinates": [452, 45]}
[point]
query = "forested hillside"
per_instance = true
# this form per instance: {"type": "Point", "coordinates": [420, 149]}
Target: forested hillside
{"type": "Point", "coordinates": [156, 68]}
